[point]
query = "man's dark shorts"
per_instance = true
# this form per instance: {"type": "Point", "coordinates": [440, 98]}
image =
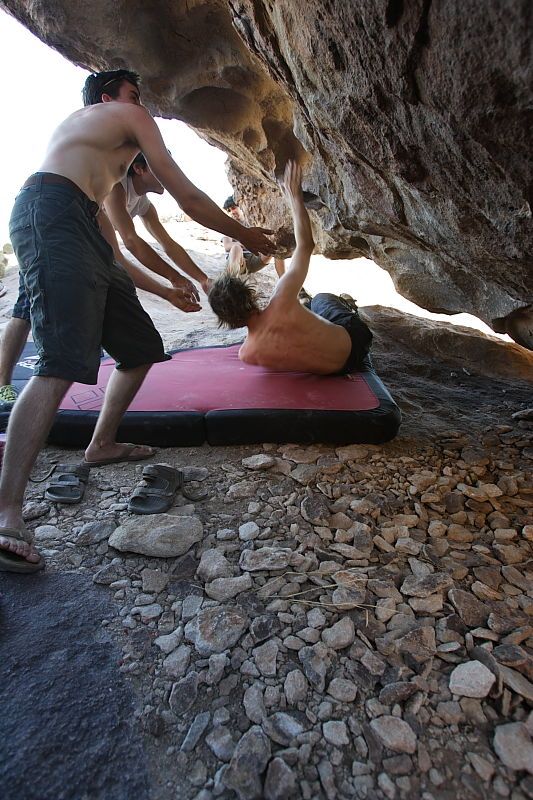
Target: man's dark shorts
{"type": "Point", "coordinates": [336, 310]}
{"type": "Point", "coordinates": [80, 299]}
{"type": "Point", "coordinates": [21, 309]}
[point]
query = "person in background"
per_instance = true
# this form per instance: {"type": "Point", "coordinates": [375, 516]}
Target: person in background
{"type": "Point", "coordinates": [240, 261]}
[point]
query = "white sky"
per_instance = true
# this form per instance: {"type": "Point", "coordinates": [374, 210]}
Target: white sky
{"type": "Point", "coordinates": [40, 88]}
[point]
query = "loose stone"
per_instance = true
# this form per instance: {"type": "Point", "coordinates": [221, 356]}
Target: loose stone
{"type": "Point", "coordinates": [514, 747]}
{"type": "Point", "coordinates": [472, 679]}
{"type": "Point", "coordinates": [395, 734]}
{"type": "Point", "coordinates": [161, 535]}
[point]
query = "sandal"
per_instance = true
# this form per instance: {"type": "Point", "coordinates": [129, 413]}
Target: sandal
{"type": "Point", "coordinates": [160, 483]}
{"type": "Point", "coordinates": [156, 493]}
{"type": "Point", "coordinates": [68, 484]}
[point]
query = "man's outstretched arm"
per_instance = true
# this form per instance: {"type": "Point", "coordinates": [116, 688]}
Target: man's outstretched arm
{"type": "Point", "coordinates": [192, 200]}
{"type": "Point", "coordinates": [116, 209]}
{"type": "Point", "coordinates": [140, 278]}
{"type": "Point", "coordinates": [292, 281]}
{"type": "Point", "coordinates": [174, 251]}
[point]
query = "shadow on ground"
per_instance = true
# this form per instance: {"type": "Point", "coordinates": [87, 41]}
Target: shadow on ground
{"type": "Point", "coordinates": [67, 726]}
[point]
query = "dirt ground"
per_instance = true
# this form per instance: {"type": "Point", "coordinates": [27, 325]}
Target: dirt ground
{"type": "Point", "coordinates": [453, 409]}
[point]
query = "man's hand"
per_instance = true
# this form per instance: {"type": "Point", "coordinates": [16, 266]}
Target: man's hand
{"type": "Point", "coordinates": [255, 240]}
{"type": "Point", "coordinates": [292, 181]}
{"type": "Point", "coordinates": [175, 297]}
{"type": "Point", "coordinates": [188, 290]}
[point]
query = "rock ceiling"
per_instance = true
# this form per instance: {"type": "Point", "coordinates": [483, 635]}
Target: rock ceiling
{"type": "Point", "coordinates": [413, 122]}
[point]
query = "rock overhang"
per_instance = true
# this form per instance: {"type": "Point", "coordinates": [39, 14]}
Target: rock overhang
{"type": "Point", "coordinates": [413, 125]}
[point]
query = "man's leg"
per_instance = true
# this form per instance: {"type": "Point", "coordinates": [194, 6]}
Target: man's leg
{"type": "Point", "coordinates": [29, 424]}
{"type": "Point", "coordinates": [235, 259]}
{"type": "Point", "coordinates": [13, 341]}
{"type": "Point", "coordinates": [121, 389]}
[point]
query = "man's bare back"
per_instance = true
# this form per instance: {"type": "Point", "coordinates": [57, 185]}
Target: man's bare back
{"type": "Point", "coordinates": [287, 336]}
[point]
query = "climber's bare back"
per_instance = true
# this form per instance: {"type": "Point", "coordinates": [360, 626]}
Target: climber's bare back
{"type": "Point", "coordinates": [287, 336]}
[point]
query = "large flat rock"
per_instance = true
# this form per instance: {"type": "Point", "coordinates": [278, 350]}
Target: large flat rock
{"type": "Point", "coordinates": [66, 727]}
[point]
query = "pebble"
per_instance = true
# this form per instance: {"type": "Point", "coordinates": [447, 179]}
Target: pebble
{"type": "Point", "coordinates": [213, 630]}
{"type": "Point", "coordinates": [259, 462]}
{"type": "Point", "coordinates": [336, 733]}
{"type": "Point", "coordinates": [280, 781]}
{"type": "Point", "coordinates": [340, 635]}
{"type": "Point", "coordinates": [395, 734]}
{"type": "Point", "coordinates": [247, 764]}
{"type": "Point", "coordinates": [295, 687]}
{"type": "Point", "coordinates": [343, 690]}
{"type": "Point", "coordinates": [471, 679]}
{"type": "Point", "coordinates": [266, 558]}
{"type": "Point", "coordinates": [249, 531]}
{"type": "Point", "coordinates": [223, 589]}
{"type": "Point", "coordinates": [213, 564]}
{"type": "Point", "coordinates": [513, 745]}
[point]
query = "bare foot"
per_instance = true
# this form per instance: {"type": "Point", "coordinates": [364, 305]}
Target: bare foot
{"type": "Point", "coordinates": [19, 548]}
{"type": "Point", "coordinates": [116, 452]}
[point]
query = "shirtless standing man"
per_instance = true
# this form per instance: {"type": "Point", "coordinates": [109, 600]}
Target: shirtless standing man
{"type": "Point", "coordinates": [326, 339]}
{"type": "Point", "coordinates": [126, 200]}
{"type": "Point", "coordinates": [80, 298]}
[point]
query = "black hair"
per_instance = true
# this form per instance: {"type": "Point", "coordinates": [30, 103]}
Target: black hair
{"type": "Point", "coordinates": [140, 160]}
{"type": "Point", "coordinates": [233, 300]}
{"type": "Point", "coordinates": [229, 203]}
{"type": "Point", "coordinates": [109, 82]}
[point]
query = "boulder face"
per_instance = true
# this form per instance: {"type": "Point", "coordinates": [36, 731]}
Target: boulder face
{"type": "Point", "coordinates": [412, 120]}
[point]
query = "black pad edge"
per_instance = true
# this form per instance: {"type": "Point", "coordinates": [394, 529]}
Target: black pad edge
{"type": "Point", "coordinates": [305, 426]}
{"type": "Point", "coordinates": [159, 428]}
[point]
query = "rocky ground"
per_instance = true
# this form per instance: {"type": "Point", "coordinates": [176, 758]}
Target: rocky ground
{"type": "Point", "coordinates": [325, 623]}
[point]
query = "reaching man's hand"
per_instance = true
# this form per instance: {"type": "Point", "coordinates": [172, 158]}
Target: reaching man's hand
{"type": "Point", "coordinates": [176, 298]}
{"type": "Point", "coordinates": [255, 240]}
{"type": "Point", "coordinates": [292, 180]}
{"type": "Point", "coordinates": [186, 287]}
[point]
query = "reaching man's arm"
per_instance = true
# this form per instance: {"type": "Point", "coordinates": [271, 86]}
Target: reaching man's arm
{"type": "Point", "coordinates": [140, 278]}
{"type": "Point", "coordinates": [192, 200]}
{"type": "Point", "coordinates": [292, 281]}
{"type": "Point", "coordinates": [115, 206]}
{"type": "Point", "coordinates": [174, 251]}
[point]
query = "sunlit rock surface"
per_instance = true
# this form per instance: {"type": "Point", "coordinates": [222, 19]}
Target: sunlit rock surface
{"type": "Point", "coordinates": [413, 121]}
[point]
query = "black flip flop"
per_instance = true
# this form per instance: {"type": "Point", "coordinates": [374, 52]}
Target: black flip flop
{"type": "Point", "coordinates": [68, 483]}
